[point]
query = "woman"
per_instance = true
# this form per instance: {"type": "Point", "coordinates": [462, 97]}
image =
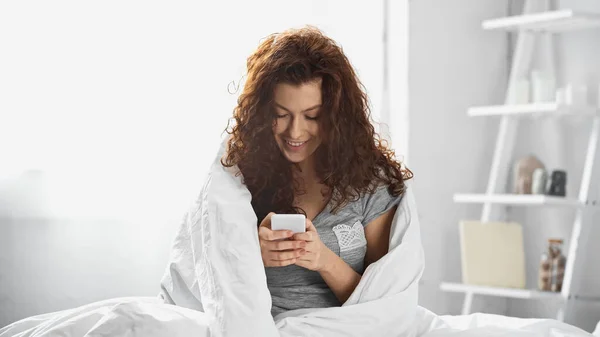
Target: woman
{"type": "Point", "coordinates": [304, 143]}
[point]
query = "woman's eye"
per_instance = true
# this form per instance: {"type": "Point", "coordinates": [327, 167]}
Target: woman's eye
{"type": "Point", "coordinates": [281, 116]}
{"type": "Point", "coordinates": [312, 118]}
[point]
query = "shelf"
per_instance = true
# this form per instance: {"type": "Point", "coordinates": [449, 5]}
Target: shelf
{"type": "Point", "coordinates": [518, 199]}
{"type": "Point", "coordinates": [552, 21]}
{"type": "Point", "coordinates": [536, 109]}
{"type": "Point", "coordinates": [500, 292]}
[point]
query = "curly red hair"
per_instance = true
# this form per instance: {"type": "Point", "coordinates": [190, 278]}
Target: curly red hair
{"type": "Point", "coordinates": [352, 159]}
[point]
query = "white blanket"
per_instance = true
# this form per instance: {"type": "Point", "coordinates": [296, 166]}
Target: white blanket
{"type": "Point", "coordinates": [217, 282]}
{"type": "Point", "coordinates": [216, 265]}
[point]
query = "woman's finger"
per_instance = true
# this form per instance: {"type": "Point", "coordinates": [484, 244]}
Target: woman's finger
{"type": "Point", "coordinates": [263, 232]}
{"type": "Point", "coordinates": [308, 256]}
{"type": "Point", "coordinates": [270, 235]}
{"type": "Point", "coordinates": [285, 245]}
{"type": "Point", "coordinates": [312, 246]}
{"type": "Point", "coordinates": [308, 264]}
{"type": "Point", "coordinates": [282, 263]}
{"type": "Point", "coordinates": [266, 222]}
{"type": "Point", "coordinates": [310, 227]}
{"type": "Point", "coordinates": [286, 255]}
{"type": "Point", "coordinates": [307, 236]}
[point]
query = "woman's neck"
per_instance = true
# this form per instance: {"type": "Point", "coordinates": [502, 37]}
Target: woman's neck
{"type": "Point", "coordinates": [306, 170]}
{"type": "Point", "coordinates": [311, 191]}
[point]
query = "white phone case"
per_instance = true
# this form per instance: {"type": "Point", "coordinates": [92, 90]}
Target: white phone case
{"type": "Point", "coordinates": [293, 222]}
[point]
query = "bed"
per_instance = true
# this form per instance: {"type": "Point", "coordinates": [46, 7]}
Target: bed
{"type": "Point", "coordinates": [215, 285]}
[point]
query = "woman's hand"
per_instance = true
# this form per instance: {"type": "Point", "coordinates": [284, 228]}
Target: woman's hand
{"type": "Point", "coordinates": [276, 247]}
{"type": "Point", "coordinates": [317, 256]}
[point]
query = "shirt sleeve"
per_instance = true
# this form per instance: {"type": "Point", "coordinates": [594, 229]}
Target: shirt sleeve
{"type": "Point", "coordinates": [378, 203]}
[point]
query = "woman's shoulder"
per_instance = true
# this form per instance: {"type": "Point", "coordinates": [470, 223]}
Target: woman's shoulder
{"type": "Point", "coordinates": [378, 200]}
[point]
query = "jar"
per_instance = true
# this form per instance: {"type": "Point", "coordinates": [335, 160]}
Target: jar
{"type": "Point", "coordinates": [538, 183]}
{"type": "Point", "coordinates": [544, 272]}
{"type": "Point", "coordinates": [552, 267]}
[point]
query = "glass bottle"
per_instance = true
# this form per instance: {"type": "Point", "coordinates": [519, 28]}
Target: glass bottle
{"type": "Point", "coordinates": [544, 271]}
{"type": "Point", "coordinates": [558, 265]}
{"type": "Point", "coordinates": [552, 267]}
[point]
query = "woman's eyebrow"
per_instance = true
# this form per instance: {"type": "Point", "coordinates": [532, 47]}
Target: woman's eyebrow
{"type": "Point", "coordinates": [305, 110]}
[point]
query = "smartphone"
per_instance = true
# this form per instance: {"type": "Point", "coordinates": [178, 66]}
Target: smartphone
{"type": "Point", "coordinates": [292, 222]}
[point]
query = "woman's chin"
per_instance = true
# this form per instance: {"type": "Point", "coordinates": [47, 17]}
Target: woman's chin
{"type": "Point", "coordinates": [294, 157]}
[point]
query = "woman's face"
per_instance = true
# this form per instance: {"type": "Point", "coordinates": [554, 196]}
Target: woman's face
{"type": "Point", "coordinates": [296, 128]}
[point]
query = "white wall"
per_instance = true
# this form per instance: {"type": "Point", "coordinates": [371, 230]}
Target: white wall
{"type": "Point", "coordinates": [454, 64]}
{"type": "Point", "coordinates": [110, 113]}
{"type": "Point", "coordinates": [561, 144]}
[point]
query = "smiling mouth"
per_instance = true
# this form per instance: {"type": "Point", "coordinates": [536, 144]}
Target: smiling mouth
{"type": "Point", "coordinates": [295, 144]}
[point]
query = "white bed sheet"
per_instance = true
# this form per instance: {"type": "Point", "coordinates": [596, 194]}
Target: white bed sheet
{"type": "Point", "coordinates": [217, 281]}
{"type": "Point", "coordinates": [150, 317]}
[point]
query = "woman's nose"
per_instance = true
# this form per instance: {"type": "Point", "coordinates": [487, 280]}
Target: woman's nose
{"type": "Point", "coordinates": [296, 128]}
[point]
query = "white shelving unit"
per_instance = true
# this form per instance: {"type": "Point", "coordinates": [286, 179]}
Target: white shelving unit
{"type": "Point", "coordinates": [500, 292]}
{"type": "Point", "coordinates": [535, 21]}
{"type": "Point", "coordinates": [520, 200]}
{"type": "Point", "coordinates": [560, 21]}
{"type": "Point", "coordinates": [533, 110]}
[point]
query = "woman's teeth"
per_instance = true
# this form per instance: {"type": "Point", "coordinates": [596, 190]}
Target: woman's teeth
{"type": "Point", "coordinates": [295, 143]}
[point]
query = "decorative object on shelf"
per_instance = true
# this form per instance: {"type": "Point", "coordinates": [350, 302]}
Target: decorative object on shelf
{"type": "Point", "coordinates": [579, 94]}
{"type": "Point", "coordinates": [523, 174]}
{"type": "Point", "coordinates": [492, 254]}
{"type": "Point", "coordinates": [552, 267]}
{"type": "Point", "coordinates": [544, 271]}
{"type": "Point", "coordinates": [522, 90]}
{"type": "Point", "coordinates": [561, 97]}
{"type": "Point", "coordinates": [558, 183]}
{"type": "Point", "coordinates": [538, 184]}
{"type": "Point", "coordinates": [573, 95]}
{"type": "Point", "coordinates": [543, 87]}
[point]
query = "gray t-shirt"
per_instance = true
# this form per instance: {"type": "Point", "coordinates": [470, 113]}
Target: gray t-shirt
{"type": "Point", "coordinates": [294, 287]}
